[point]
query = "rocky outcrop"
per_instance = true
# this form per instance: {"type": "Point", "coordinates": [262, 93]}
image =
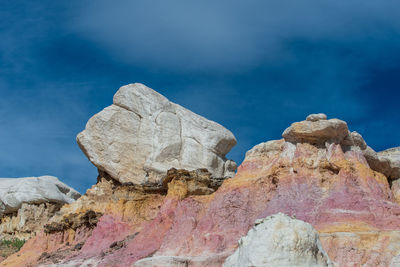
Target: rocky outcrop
{"type": "Point", "coordinates": [386, 162]}
{"type": "Point", "coordinates": [143, 134]}
{"type": "Point", "coordinates": [27, 221]}
{"type": "Point", "coordinates": [279, 240]}
{"type": "Point", "coordinates": [33, 190]}
{"type": "Point", "coordinates": [317, 130]}
{"type": "Point", "coordinates": [329, 184]}
{"type": "Point", "coordinates": [392, 155]}
{"type": "Point", "coordinates": [26, 204]}
{"type": "Point", "coordinates": [183, 183]}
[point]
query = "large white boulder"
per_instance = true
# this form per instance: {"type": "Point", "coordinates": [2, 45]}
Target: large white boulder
{"type": "Point", "coordinates": [279, 240]}
{"type": "Point", "coordinates": [33, 190]}
{"type": "Point", "coordinates": [143, 134]}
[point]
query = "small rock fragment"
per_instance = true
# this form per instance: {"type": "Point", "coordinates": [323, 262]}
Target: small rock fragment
{"type": "Point", "coordinates": [316, 117]}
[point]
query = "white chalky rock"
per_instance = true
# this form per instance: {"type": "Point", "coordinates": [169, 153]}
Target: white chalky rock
{"type": "Point", "coordinates": [143, 134]}
{"type": "Point", "coordinates": [279, 240]}
{"type": "Point", "coordinates": [316, 117]}
{"type": "Point", "coordinates": [33, 190]}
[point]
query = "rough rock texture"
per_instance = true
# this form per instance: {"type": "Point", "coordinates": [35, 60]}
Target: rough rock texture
{"type": "Point", "coordinates": [26, 204]}
{"type": "Point", "coordinates": [33, 190]}
{"type": "Point", "coordinates": [28, 220]}
{"type": "Point", "coordinates": [316, 131]}
{"type": "Point", "coordinates": [142, 135]}
{"type": "Point", "coordinates": [185, 183]}
{"type": "Point", "coordinates": [329, 185]}
{"type": "Point", "coordinates": [396, 190]}
{"type": "Point", "coordinates": [279, 240]}
{"type": "Point", "coordinates": [395, 262]}
{"type": "Point", "coordinates": [316, 117]}
{"type": "Point", "coordinates": [386, 162]}
{"type": "Point", "coordinates": [392, 155]}
{"type": "Point", "coordinates": [79, 228]}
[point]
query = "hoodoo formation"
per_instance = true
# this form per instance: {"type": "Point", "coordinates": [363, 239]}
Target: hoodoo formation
{"type": "Point", "coordinates": [167, 195]}
{"type": "Point", "coordinates": [142, 135]}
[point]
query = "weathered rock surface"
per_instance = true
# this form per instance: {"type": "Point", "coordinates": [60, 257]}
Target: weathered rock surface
{"type": "Point", "coordinates": [28, 220]}
{"type": "Point", "coordinates": [33, 190]}
{"type": "Point", "coordinates": [392, 155]}
{"type": "Point", "coordinates": [329, 185]}
{"type": "Point", "coordinates": [26, 204]}
{"type": "Point", "coordinates": [386, 162]}
{"type": "Point", "coordinates": [396, 190]}
{"type": "Point", "coordinates": [279, 240]}
{"type": "Point", "coordinates": [316, 117]}
{"type": "Point", "coordinates": [316, 131]}
{"type": "Point", "coordinates": [143, 134]}
{"type": "Point", "coordinates": [395, 262]}
{"type": "Point", "coordinates": [184, 183]}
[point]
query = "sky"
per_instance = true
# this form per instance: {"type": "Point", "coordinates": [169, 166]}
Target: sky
{"type": "Point", "coordinates": [253, 66]}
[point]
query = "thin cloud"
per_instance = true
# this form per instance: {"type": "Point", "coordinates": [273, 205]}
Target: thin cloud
{"type": "Point", "coordinates": [227, 35]}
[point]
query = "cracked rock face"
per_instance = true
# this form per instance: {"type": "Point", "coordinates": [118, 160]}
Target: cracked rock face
{"type": "Point", "coordinates": [279, 240]}
{"type": "Point", "coordinates": [143, 134]}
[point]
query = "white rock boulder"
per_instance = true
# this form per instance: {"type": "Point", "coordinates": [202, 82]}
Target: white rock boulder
{"type": "Point", "coordinates": [279, 240]}
{"type": "Point", "coordinates": [143, 134]}
{"type": "Point", "coordinates": [33, 190]}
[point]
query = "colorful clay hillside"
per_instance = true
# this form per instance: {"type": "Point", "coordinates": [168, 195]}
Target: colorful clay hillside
{"type": "Point", "coordinates": [167, 195]}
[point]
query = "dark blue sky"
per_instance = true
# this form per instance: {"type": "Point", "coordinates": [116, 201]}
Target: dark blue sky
{"type": "Point", "coordinates": [253, 66]}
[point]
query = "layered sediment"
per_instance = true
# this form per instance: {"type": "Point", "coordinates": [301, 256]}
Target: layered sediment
{"type": "Point", "coordinates": [319, 173]}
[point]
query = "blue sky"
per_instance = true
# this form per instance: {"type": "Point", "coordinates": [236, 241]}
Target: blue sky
{"type": "Point", "coordinates": [253, 66]}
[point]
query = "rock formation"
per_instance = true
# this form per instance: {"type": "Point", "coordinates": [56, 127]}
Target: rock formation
{"type": "Point", "coordinates": [279, 240]}
{"type": "Point", "coordinates": [317, 131]}
{"type": "Point", "coordinates": [143, 134]}
{"type": "Point", "coordinates": [320, 173]}
{"type": "Point", "coordinates": [386, 162]}
{"type": "Point", "coordinates": [26, 204]}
